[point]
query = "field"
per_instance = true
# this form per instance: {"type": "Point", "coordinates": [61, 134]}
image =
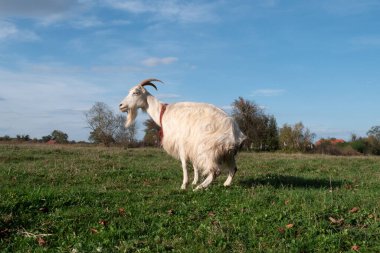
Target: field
{"type": "Point", "coordinates": [91, 199]}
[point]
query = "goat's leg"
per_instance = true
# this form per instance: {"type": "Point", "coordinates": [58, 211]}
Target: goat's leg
{"type": "Point", "coordinates": [231, 174]}
{"type": "Point", "coordinates": [196, 175]}
{"type": "Point", "coordinates": [185, 176]}
{"type": "Point", "coordinates": [206, 182]}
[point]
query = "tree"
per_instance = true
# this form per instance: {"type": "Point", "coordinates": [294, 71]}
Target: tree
{"type": "Point", "coordinates": [108, 128]}
{"type": "Point", "coordinates": [100, 119]}
{"type": "Point", "coordinates": [151, 137]}
{"type": "Point", "coordinates": [260, 129]}
{"type": "Point", "coordinates": [46, 138]}
{"type": "Point", "coordinates": [296, 138]}
{"type": "Point", "coordinates": [122, 135]}
{"type": "Point", "coordinates": [374, 140]}
{"type": "Point", "coordinates": [23, 137]}
{"type": "Point", "coordinates": [5, 138]}
{"type": "Point", "coordinates": [59, 136]}
{"type": "Point", "coordinates": [354, 137]}
{"type": "Point", "coordinates": [374, 132]}
{"type": "Point", "coordinates": [272, 134]}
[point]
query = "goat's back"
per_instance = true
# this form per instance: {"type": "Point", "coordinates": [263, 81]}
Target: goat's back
{"type": "Point", "coordinates": [199, 130]}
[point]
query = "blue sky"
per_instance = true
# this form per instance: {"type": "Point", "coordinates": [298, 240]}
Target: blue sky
{"type": "Point", "coordinates": [313, 61]}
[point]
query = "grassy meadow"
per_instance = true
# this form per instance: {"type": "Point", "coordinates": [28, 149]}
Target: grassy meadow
{"type": "Point", "coordinates": [93, 199]}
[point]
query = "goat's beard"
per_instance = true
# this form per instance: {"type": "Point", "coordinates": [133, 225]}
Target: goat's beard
{"type": "Point", "coordinates": [132, 114]}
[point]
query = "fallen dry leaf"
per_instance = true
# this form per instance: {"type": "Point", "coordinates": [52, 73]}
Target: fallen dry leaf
{"type": "Point", "coordinates": [215, 223]}
{"type": "Point", "coordinates": [289, 226]}
{"type": "Point", "coordinates": [281, 230]}
{"type": "Point", "coordinates": [122, 211]}
{"type": "Point", "coordinates": [349, 186]}
{"type": "Point", "coordinates": [354, 210]}
{"type": "Point", "coordinates": [94, 230]}
{"type": "Point", "coordinates": [171, 212]}
{"type": "Point", "coordinates": [103, 222]}
{"type": "Point", "coordinates": [335, 221]}
{"type": "Point", "coordinates": [44, 209]}
{"type": "Point", "coordinates": [211, 214]}
{"type": "Point", "coordinates": [41, 241]}
{"type": "Point", "coordinates": [355, 248]}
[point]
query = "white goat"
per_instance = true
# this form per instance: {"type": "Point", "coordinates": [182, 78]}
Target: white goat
{"type": "Point", "coordinates": [200, 133]}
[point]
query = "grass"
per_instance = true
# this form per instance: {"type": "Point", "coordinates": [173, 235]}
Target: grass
{"type": "Point", "coordinates": [89, 199]}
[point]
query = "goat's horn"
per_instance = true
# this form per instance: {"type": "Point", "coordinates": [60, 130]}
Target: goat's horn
{"type": "Point", "coordinates": [149, 82]}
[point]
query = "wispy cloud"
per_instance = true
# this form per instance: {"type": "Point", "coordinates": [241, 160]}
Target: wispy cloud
{"type": "Point", "coordinates": [268, 92]}
{"type": "Point", "coordinates": [39, 103]}
{"type": "Point", "coordinates": [349, 7]}
{"type": "Point", "coordinates": [171, 10]}
{"type": "Point", "coordinates": [366, 41]}
{"type": "Point", "coordinates": [45, 12]}
{"type": "Point", "coordinates": [168, 96]}
{"type": "Point", "coordinates": [9, 31]}
{"type": "Point", "coordinates": [227, 108]}
{"type": "Point", "coordinates": [268, 3]}
{"type": "Point", "coordinates": [153, 61]}
{"type": "Point", "coordinates": [323, 131]}
{"type": "Point", "coordinates": [87, 22]}
{"type": "Point", "coordinates": [36, 8]}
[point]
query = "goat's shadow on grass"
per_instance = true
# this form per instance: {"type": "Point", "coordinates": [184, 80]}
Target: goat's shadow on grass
{"type": "Point", "coordinates": [280, 181]}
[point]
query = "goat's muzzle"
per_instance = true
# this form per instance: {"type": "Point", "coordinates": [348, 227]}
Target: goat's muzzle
{"type": "Point", "coordinates": [123, 108]}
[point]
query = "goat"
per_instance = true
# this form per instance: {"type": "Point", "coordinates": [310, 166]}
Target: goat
{"type": "Point", "coordinates": [196, 132]}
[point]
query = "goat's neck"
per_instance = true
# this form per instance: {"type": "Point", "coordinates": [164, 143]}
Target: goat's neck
{"type": "Point", "coordinates": [154, 108]}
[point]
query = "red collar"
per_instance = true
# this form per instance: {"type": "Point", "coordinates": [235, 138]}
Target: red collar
{"type": "Point", "coordinates": [161, 132]}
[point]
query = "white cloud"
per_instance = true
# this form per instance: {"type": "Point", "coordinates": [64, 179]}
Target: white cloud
{"type": "Point", "coordinates": [268, 92]}
{"type": "Point", "coordinates": [37, 103]}
{"type": "Point", "coordinates": [349, 7]}
{"type": "Point", "coordinates": [268, 3]}
{"type": "Point", "coordinates": [121, 22]}
{"type": "Point", "coordinates": [87, 22]}
{"type": "Point", "coordinates": [50, 12]}
{"type": "Point", "coordinates": [7, 30]}
{"type": "Point", "coordinates": [35, 8]}
{"type": "Point", "coordinates": [10, 31]}
{"type": "Point", "coordinates": [131, 6]}
{"type": "Point", "coordinates": [171, 10]}
{"type": "Point", "coordinates": [153, 61]}
{"type": "Point", "coordinates": [47, 12]}
{"type": "Point", "coordinates": [328, 132]}
{"type": "Point", "coordinates": [168, 96]}
{"type": "Point", "coordinates": [227, 108]}
{"type": "Point", "coordinates": [371, 41]}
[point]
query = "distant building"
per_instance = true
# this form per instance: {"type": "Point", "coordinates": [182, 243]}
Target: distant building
{"type": "Point", "coordinates": [332, 141]}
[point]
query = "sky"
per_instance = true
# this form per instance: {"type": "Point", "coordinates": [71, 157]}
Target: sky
{"type": "Point", "coordinates": [310, 61]}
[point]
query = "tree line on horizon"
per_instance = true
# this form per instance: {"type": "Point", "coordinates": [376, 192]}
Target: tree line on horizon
{"type": "Point", "coordinates": [261, 129]}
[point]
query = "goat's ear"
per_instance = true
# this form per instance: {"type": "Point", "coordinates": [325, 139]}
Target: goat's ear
{"type": "Point", "coordinates": [141, 89]}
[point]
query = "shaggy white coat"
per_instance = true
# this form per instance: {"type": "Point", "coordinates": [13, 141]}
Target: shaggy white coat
{"type": "Point", "coordinates": [193, 132]}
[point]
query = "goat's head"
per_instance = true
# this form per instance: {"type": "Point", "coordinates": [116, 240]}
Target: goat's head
{"type": "Point", "coordinates": [136, 99]}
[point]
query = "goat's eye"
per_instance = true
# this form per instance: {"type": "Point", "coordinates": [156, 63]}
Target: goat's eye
{"type": "Point", "coordinates": [136, 93]}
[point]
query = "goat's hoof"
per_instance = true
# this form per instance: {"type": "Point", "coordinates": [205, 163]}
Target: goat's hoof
{"type": "Point", "coordinates": [183, 187]}
{"type": "Point", "coordinates": [199, 187]}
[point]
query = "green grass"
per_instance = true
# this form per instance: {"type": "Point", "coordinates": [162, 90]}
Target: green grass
{"type": "Point", "coordinates": [88, 199]}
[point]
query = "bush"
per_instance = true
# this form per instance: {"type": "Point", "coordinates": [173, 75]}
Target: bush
{"type": "Point", "coordinates": [336, 149]}
{"type": "Point", "coordinates": [360, 146]}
